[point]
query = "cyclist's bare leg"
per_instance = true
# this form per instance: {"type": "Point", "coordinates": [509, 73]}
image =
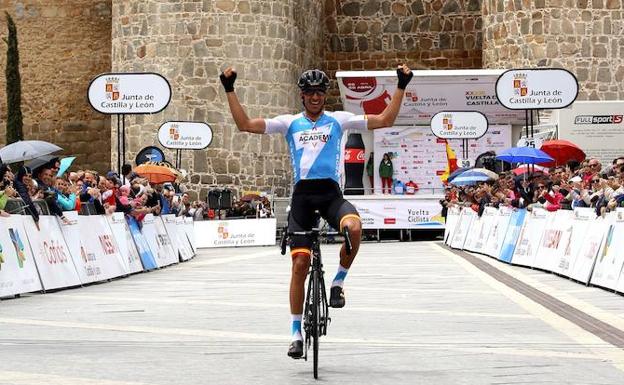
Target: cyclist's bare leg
{"type": "Point", "coordinates": [300, 266]}
{"type": "Point", "coordinates": [355, 234]}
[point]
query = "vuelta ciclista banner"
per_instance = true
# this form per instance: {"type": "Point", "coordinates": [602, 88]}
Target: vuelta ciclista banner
{"type": "Point", "coordinates": [399, 213]}
{"type": "Point", "coordinates": [236, 233]}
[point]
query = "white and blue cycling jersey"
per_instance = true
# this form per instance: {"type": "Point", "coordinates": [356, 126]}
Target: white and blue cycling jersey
{"type": "Point", "coordinates": [316, 150]}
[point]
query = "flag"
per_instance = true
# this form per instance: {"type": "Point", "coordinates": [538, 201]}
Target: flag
{"type": "Point", "coordinates": [451, 163]}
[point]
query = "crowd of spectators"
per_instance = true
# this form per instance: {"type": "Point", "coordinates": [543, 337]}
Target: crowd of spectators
{"type": "Point", "coordinates": [585, 184]}
{"type": "Point", "coordinates": [105, 194]}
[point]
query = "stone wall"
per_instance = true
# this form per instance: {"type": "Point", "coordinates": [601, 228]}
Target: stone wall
{"type": "Point", "coordinates": [583, 36]}
{"type": "Point", "coordinates": [63, 45]}
{"type": "Point", "coordinates": [379, 34]}
{"type": "Point", "coordinates": [189, 41]}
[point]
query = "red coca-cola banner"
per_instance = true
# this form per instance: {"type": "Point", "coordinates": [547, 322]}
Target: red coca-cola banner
{"type": "Point", "coordinates": [354, 155]}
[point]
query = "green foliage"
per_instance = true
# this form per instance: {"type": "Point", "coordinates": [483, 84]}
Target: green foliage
{"type": "Point", "coordinates": [13, 86]}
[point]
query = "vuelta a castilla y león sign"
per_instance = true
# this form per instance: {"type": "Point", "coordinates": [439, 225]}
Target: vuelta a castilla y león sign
{"type": "Point", "coordinates": [536, 89]}
{"type": "Point", "coordinates": [129, 93]}
{"type": "Point", "coordinates": [185, 135]}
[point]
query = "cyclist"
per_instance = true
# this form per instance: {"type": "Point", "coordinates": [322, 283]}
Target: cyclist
{"type": "Point", "coordinates": [314, 139]}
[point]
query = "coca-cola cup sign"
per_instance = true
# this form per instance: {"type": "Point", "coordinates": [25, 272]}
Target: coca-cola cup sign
{"type": "Point", "coordinates": [129, 93]}
{"type": "Point", "coordinates": [459, 125]}
{"type": "Point", "coordinates": [536, 89]}
{"type": "Point", "coordinates": [185, 135]}
{"type": "Point", "coordinates": [354, 155]}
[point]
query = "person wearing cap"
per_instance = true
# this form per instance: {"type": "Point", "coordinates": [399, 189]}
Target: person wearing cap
{"type": "Point", "coordinates": [314, 137]}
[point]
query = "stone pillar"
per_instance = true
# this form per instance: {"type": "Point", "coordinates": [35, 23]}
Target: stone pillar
{"type": "Point", "coordinates": [269, 42]}
{"type": "Point", "coordinates": [582, 36]}
{"type": "Point", "coordinates": [62, 46]}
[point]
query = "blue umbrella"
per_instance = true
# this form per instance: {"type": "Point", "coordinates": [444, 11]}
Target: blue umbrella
{"type": "Point", "coordinates": [473, 176]}
{"type": "Point", "coordinates": [65, 164]}
{"type": "Point", "coordinates": [456, 173]}
{"type": "Point", "coordinates": [528, 155]}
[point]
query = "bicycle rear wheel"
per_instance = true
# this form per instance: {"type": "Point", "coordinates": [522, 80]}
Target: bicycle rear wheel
{"type": "Point", "coordinates": [316, 324]}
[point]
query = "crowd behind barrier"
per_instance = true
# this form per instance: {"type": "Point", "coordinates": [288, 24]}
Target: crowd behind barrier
{"type": "Point", "coordinates": [55, 253]}
{"type": "Point", "coordinates": [577, 244]}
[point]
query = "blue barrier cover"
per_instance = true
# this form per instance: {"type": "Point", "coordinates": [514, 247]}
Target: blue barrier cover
{"type": "Point", "coordinates": [511, 237]}
{"type": "Point", "coordinates": [142, 246]}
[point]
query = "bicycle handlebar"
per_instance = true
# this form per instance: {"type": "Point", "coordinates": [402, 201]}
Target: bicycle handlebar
{"type": "Point", "coordinates": [315, 232]}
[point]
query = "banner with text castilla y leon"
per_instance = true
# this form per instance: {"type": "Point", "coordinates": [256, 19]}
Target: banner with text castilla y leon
{"type": "Point", "coordinates": [536, 89]}
{"type": "Point", "coordinates": [185, 135]}
{"type": "Point", "coordinates": [459, 125]}
{"type": "Point", "coordinates": [54, 261]}
{"type": "Point", "coordinates": [18, 273]}
{"type": "Point", "coordinates": [129, 93]}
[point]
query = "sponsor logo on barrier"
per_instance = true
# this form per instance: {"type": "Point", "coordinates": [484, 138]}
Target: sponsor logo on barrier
{"type": "Point", "coordinates": [1, 257]}
{"type": "Point", "coordinates": [598, 119]}
{"type": "Point", "coordinates": [227, 238]}
{"type": "Point", "coordinates": [418, 216]}
{"type": "Point", "coordinates": [163, 239]}
{"type": "Point", "coordinates": [19, 247]}
{"type": "Point", "coordinates": [389, 221]}
{"type": "Point", "coordinates": [89, 257]}
{"type": "Point", "coordinates": [54, 252]}
{"type": "Point", "coordinates": [107, 244]}
{"type": "Point", "coordinates": [552, 239]}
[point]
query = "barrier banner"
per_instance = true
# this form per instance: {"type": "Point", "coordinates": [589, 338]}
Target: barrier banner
{"type": "Point", "coordinates": [100, 243]}
{"type": "Point", "coordinates": [86, 263]}
{"type": "Point", "coordinates": [189, 228]}
{"type": "Point", "coordinates": [530, 236]}
{"type": "Point", "coordinates": [611, 256]}
{"type": "Point", "coordinates": [461, 230]}
{"type": "Point", "coordinates": [557, 232]}
{"type": "Point", "coordinates": [18, 273]}
{"type": "Point", "coordinates": [158, 241]}
{"type": "Point", "coordinates": [182, 234]}
{"type": "Point", "coordinates": [584, 217]}
{"type": "Point", "coordinates": [498, 232]}
{"type": "Point", "coordinates": [397, 213]}
{"type": "Point", "coordinates": [236, 233]}
{"type": "Point", "coordinates": [452, 217]}
{"type": "Point", "coordinates": [588, 252]}
{"type": "Point", "coordinates": [516, 221]}
{"type": "Point", "coordinates": [473, 233]}
{"type": "Point", "coordinates": [123, 239]}
{"type": "Point", "coordinates": [54, 262]}
{"type": "Point", "coordinates": [179, 244]}
{"type": "Point", "coordinates": [147, 259]}
{"type": "Point", "coordinates": [480, 230]}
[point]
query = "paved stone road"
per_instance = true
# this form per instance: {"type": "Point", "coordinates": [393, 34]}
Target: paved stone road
{"type": "Point", "coordinates": [416, 313]}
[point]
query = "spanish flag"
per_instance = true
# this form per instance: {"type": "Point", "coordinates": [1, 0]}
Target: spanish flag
{"type": "Point", "coordinates": [451, 163]}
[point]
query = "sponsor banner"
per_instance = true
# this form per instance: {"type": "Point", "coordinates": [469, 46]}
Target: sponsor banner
{"type": "Point", "coordinates": [158, 241]}
{"type": "Point", "coordinates": [236, 233]}
{"type": "Point", "coordinates": [147, 258]}
{"type": "Point", "coordinates": [555, 239]}
{"type": "Point", "coordinates": [429, 92]}
{"type": "Point", "coordinates": [584, 218]}
{"type": "Point", "coordinates": [399, 213]}
{"type": "Point", "coordinates": [512, 234]}
{"type": "Point", "coordinates": [452, 217]}
{"type": "Point", "coordinates": [129, 93]}
{"type": "Point", "coordinates": [418, 156]}
{"type": "Point", "coordinates": [185, 135]}
{"type": "Point", "coordinates": [536, 89]}
{"type": "Point", "coordinates": [189, 229]}
{"type": "Point", "coordinates": [597, 127]}
{"type": "Point", "coordinates": [54, 262]}
{"type": "Point", "coordinates": [123, 239]}
{"type": "Point", "coordinates": [498, 232]}
{"type": "Point", "coordinates": [459, 125]}
{"type": "Point", "coordinates": [18, 273]}
{"type": "Point", "coordinates": [463, 225]}
{"type": "Point", "coordinates": [101, 250]}
{"type": "Point", "coordinates": [610, 260]}
{"type": "Point", "coordinates": [588, 252]}
{"type": "Point", "coordinates": [530, 236]}
{"type": "Point", "coordinates": [480, 231]}
{"type": "Point", "coordinates": [87, 264]}
{"type": "Point", "coordinates": [180, 244]}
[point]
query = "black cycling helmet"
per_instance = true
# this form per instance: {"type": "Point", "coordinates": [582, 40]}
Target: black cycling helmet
{"type": "Point", "coordinates": [313, 79]}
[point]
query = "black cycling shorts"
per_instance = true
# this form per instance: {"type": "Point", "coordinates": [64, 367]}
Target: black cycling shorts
{"type": "Point", "coordinates": [323, 195]}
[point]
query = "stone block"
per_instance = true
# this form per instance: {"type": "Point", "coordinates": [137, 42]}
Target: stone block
{"type": "Point", "coordinates": [418, 8]}
{"type": "Point", "coordinates": [451, 6]}
{"type": "Point", "coordinates": [370, 8]}
{"type": "Point", "coordinates": [351, 9]}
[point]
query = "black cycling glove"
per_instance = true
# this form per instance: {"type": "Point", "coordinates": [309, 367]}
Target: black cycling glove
{"type": "Point", "coordinates": [228, 82]}
{"type": "Point", "coordinates": [404, 79]}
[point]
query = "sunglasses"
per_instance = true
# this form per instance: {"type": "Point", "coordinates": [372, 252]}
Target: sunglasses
{"type": "Point", "coordinates": [595, 180]}
{"type": "Point", "coordinates": [314, 92]}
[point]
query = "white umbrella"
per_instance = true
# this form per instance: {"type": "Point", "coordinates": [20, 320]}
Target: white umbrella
{"type": "Point", "coordinates": [26, 150]}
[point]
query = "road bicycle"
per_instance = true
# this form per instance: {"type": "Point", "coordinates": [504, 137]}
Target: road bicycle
{"type": "Point", "coordinates": [315, 314]}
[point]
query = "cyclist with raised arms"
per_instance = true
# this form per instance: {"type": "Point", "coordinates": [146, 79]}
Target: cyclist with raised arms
{"type": "Point", "coordinates": [314, 139]}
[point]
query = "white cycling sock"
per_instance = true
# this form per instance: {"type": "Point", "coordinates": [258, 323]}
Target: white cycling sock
{"type": "Point", "coordinates": [296, 327]}
{"type": "Point", "coordinates": [340, 276]}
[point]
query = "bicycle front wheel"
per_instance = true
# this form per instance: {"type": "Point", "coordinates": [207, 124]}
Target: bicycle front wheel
{"type": "Point", "coordinates": [316, 324]}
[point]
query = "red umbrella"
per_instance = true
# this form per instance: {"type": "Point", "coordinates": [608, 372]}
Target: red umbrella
{"type": "Point", "coordinates": [562, 151]}
{"type": "Point", "coordinates": [527, 168]}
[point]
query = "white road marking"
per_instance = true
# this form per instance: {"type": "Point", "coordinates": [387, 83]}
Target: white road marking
{"type": "Point", "coordinates": [23, 378]}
